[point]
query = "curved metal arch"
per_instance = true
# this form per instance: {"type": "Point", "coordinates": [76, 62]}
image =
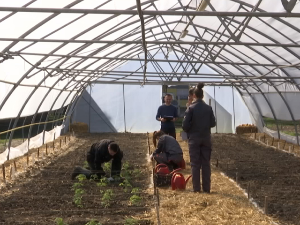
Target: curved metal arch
{"type": "Point", "coordinates": [40, 24]}
{"type": "Point", "coordinates": [41, 60]}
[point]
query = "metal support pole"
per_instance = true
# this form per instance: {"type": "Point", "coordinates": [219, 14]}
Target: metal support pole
{"type": "Point", "coordinates": [124, 108]}
{"type": "Point", "coordinates": [216, 109]}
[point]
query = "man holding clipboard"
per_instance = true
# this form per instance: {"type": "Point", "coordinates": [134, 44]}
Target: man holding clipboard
{"type": "Point", "coordinates": [167, 114]}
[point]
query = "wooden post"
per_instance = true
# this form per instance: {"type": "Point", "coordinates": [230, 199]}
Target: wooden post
{"type": "Point", "coordinates": [217, 164]}
{"type": "Point", "coordinates": [284, 145]}
{"type": "Point", "coordinates": [27, 158]}
{"type": "Point", "coordinates": [3, 172]}
{"type": "Point", "coordinates": [278, 144]}
{"type": "Point", "coordinates": [46, 149]}
{"type": "Point", "coordinates": [157, 213]}
{"type": "Point", "coordinates": [65, 139]}
{"type": "Point", "coordinates": [154, 184]}
{"type": "Point", "coordinates": [15, 165]}
{"type": "Point", "coordinates": [38, 153]}
{"type": "Point", "coordinates": [266, 204]}
{"type": "Point", "coordinates": [157, 195]}
{"type": "Point", "coordinates": [59, 143]}
{"type": "Point", "coordinates": [272, 141]}
{"type": "Point", "coordinates": [248, 190]}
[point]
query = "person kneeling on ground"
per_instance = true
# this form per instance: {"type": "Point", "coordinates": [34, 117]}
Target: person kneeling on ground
{"type": "Point", "coordinates": [102, 152]}
{"type": "Point", "coordinates": [168, 151]}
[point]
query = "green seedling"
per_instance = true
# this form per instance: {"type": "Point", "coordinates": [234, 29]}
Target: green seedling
{"type": "Point", "coordinates": [77, 185]}
{"type": "Point", "coordinates": [102, 183]}
{"type": "Point", "coordinates": [93, 222]}
{"type": "Point", "coordinates": [131, 221]}
{"type": "Point", "coordinates": [59, 221]}
{"type": "Point", "coordinates": [136, 173]}
{"type": "Point", "coordinates": [78, 197]}
{"type": "Point", "coordinates": [135, 191]}
{"type": "Point", "coordinates": [106, 167]}
{"type": "Point", "coordinates": [126, 185]}
{"type": "Point", "coordinates": [81, 177]}
{"type": "Point", "coordinates": [126, 166]}
{"type": "Point", "coordinates": [86, 164]}
{"type": "Point", "coordinates": [107, 198]}
{"type": "Point", "coordinates": [135, 200]}
{"type": "Point", "coordinates": [94, 177]}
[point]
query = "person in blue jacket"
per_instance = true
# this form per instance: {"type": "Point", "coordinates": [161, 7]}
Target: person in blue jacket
{"type": "Point", "coordinates": [167, 114]}
{"type": "Point", "coordinates": [199, 119]}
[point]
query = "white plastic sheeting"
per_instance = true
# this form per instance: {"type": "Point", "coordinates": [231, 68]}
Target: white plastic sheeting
{"type": "Point", "coordinates": [230, 110]}
{"type": "Point", "coordinates": [34, 142]}
{"type": "Point", "coordinates": [108, 110]}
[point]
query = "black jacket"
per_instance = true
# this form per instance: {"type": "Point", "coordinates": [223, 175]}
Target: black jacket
{"type": "Point", "coordinates": [198, 120]}
{"type": "Point", "coordinates": [168, 145]}
{"type": "Point", "coordinates": [99, 154]}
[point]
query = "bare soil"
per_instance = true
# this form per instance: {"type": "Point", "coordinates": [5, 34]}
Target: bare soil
{"type": "Point", "coordinates": [271, 175]}
{"type": "Point", "coordinates": [45, 193]}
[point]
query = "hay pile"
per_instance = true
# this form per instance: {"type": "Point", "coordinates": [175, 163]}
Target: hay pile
{"type": "Point", "coordinates": [227, 203]}
{"type": "Point", "coordinates": [79, 127]}
{"type": "Point", "coordinates": [246, 128]}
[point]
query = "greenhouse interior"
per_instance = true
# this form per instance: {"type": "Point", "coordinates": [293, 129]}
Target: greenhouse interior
{"type": "Point", "coordinates": [77, 72]}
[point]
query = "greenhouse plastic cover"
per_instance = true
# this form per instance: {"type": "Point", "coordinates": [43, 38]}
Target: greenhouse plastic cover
{"type": "Point", "coordinates": [51, 51]}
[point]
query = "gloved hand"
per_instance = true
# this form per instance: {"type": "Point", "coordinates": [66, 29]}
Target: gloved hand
{"type": "Point", "coordinates": [151, 157]}
{"type": "Point", "coordinates": [110, 179]}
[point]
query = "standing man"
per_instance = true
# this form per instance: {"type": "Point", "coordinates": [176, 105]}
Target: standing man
{"type": "Point", "coordinates": [199, 119]}
{"type": "Point", "coordinates": [167, 114]}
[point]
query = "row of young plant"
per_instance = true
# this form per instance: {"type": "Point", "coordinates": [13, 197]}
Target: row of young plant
{"type": "Point", "coordinates": [128, 221]}
{"type": "Point", "coordinates": [108, 194]}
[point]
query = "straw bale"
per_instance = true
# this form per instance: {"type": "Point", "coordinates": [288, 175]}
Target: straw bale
{"type": "Point", "coordinates": [246, 128]}
{"type": "Point", "coordinates": [79, 127]}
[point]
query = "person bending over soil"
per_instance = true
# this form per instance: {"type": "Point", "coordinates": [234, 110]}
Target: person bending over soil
{"type": "Point", "coordinates": [99, 153]}
{"type": "Point", "coordinates": [168, 150]}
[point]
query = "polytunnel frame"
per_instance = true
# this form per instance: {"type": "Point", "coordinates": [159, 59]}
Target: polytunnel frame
{"type": "Point", "coordinates": [209, 52]}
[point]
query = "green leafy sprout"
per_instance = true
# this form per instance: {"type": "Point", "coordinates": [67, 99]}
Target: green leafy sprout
{"type": "Point", "coordinates": [107, 198]}
{"type": "Point", "coordinates": [135, 200]}
{"type": "Point", "coordinates": [60, 221]}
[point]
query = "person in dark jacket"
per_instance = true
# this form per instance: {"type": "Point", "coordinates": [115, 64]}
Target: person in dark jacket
{"type": "Point", "coordinates": [167, 114]}
{"type": "Point", "coordinates": [168, 150]}
{"type": "Point", "coordinates": [102, 152]}
{"type": "Point", "coordinates": [199, 119]}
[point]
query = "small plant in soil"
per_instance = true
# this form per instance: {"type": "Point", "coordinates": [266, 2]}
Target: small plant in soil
{"type": "Point", "coordinates": [93, 222]}
{"type": "Point", "coordinates": [131, 221]}
{"type": "Point", "coordinates": [77, 199]}
{"type": "Point", "coordinates": [102, 183]}
{"type": "Point", "coordinates": [107, 198]}
{"type": "Point", "coordinates": [135, 191]}
{"type": "Point", "coordinates": [136, 173]}
{"type": "Point", "coordinates": [126, 185]}
{"type": "Point", "coordinates": [106, 167]}
{"type": "Point", "coordinates": [60, 221]}
{"type": "Point", "coordinates": [86, 164]}
{"type": "Point", "coordinates": [135, 200]}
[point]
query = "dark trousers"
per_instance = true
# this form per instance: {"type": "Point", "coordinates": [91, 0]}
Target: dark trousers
{"type": "Point", "coordinates": [172, 161]}
{"type": "Point", "coordinates": [200, 152]}
{"type": "Point", "coordinates": [90, 159]}
{"type": "Point", "coordinates": [170, 131]}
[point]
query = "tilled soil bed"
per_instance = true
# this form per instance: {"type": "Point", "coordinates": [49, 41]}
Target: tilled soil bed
{"type": "Point", "coordinates": [46, 193]}
{"type": "Point", "coordinates": [271, 175]}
